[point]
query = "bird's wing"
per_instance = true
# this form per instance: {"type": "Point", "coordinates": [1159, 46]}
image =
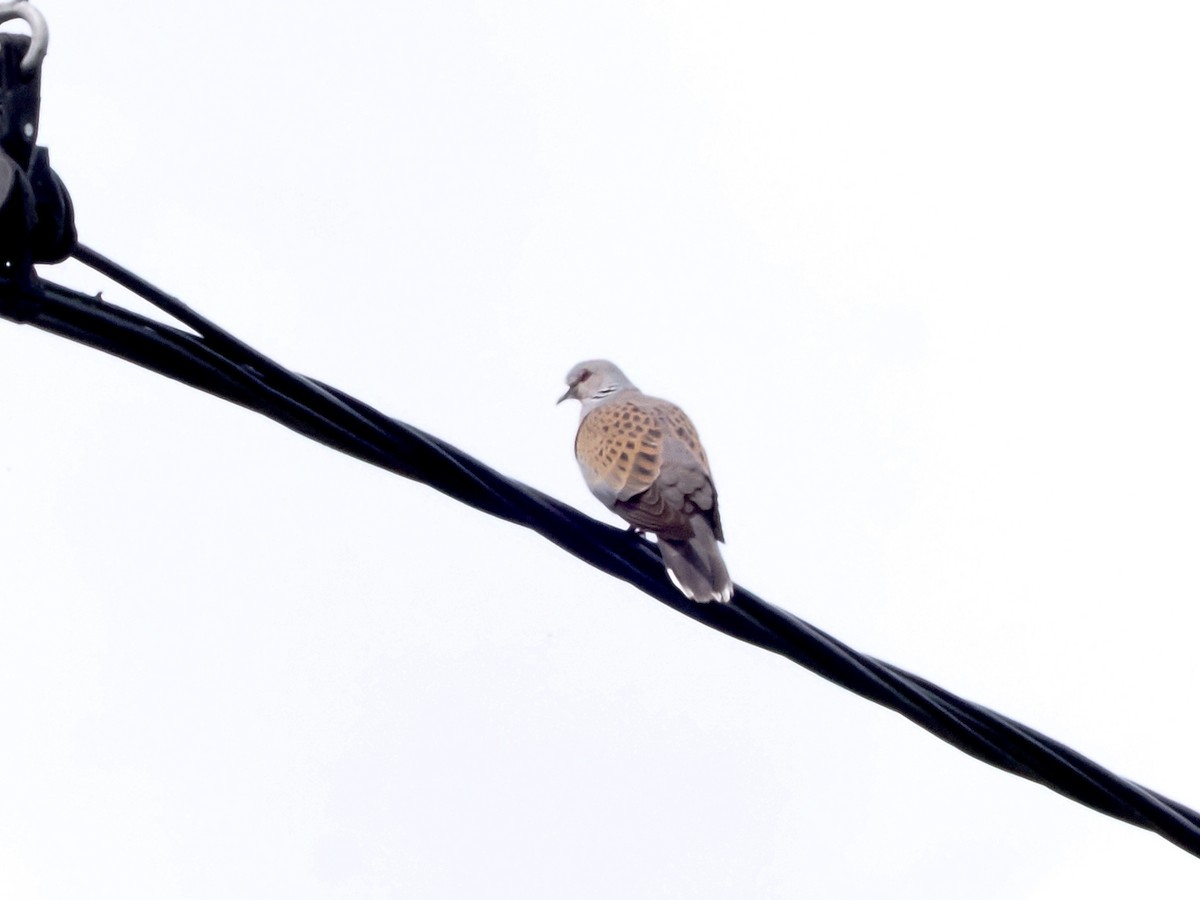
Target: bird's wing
{"type": "Point", "coordinates": [619, 446]}
{"type": "Point", "coordinates": [642, 458]}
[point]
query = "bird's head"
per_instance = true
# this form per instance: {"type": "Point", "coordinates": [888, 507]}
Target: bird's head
{"type": "Point", "coordinates": [594, 380]}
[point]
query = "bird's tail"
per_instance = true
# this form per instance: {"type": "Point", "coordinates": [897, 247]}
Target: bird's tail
{"type": "Point", "coordinates": [695, 565]}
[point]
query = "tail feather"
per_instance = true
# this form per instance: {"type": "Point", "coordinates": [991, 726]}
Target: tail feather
{"type": "Point", "coordinates": [695, 565]}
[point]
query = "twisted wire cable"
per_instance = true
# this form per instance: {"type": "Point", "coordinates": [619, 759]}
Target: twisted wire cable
{"type": "Point", "coordinates": [215, 361]}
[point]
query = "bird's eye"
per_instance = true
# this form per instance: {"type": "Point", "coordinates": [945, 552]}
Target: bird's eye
{"type": "Point", "coordinates": [585, 375]}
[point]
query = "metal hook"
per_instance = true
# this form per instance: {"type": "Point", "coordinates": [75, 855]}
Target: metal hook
{"type": "Point", "coordinates": [39, 34]}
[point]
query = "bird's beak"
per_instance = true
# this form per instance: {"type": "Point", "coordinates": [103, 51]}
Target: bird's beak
{"type": "Point", "coordinates": [566, 396]}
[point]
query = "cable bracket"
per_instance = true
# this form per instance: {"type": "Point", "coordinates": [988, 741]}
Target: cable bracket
{"type": "Point", "coordinates": [37, 221]}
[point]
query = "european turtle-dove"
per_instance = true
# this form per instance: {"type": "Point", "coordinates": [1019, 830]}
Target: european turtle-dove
{"type": "Point", "coordinates": [642, 459]}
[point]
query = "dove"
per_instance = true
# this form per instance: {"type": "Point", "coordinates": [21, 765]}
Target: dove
{"type": "Point", "coordinates": [641, 457]}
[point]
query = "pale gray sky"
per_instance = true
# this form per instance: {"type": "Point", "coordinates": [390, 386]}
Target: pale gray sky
{"type": "Point", "coordinates": [923, 274]}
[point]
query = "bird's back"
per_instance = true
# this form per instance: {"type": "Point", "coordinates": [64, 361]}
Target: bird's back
{"type": "Point", "coordinates": [641, 456]}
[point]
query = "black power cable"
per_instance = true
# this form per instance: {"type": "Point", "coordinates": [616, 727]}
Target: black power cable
{"type": "Point", "coordinates": [215, 361]}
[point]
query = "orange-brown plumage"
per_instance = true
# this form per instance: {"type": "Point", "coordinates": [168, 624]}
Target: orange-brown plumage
{"type": "Point", "coordinates": [641, 456]}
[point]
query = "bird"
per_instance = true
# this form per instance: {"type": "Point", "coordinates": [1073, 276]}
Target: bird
{"type": "Point", "coordinates": [642, 458]}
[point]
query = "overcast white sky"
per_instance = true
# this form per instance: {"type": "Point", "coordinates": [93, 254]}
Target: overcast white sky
{"type": "Point", "coordinates": [923, 274]}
